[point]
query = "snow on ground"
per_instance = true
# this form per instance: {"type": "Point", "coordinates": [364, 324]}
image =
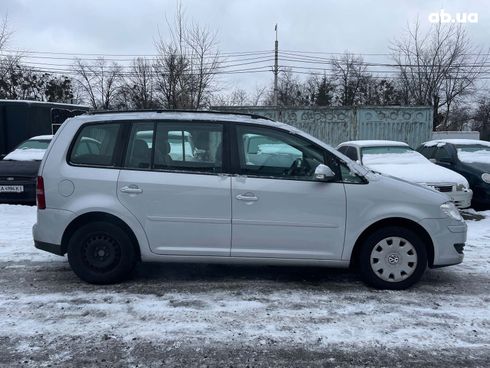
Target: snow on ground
{"type": "Point", "coordinates": [16, 235]}
{"type": "Point", "coordinates": [239, 305]}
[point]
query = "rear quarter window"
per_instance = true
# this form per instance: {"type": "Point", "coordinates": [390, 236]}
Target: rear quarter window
{"type": "Point", "coordinates": [95, 145]}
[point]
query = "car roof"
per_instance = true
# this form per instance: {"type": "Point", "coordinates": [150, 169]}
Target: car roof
{"type": "Point", "coordinates": [456, 141]}
{"type": "Point", "coordinates": [177, 115]}
{"type": "Point", "coordinates": [373, 143]}
{"type": "Point", "coordinates": [41, 137]}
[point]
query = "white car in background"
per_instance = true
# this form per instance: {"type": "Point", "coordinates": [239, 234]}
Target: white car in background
{"type": "Point", "coordinates": [399, 160]}
{"type": "Point", "coordinates": [32, 149]}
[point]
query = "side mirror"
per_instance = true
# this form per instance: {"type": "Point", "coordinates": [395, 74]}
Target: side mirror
{"type": "Point", "coordinates": [323, 173]}
{"type": "Point", "coordinates": [445, 160]}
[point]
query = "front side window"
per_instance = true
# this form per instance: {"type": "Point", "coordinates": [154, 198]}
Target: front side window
{"type": "Point", "coordinates": [442, 153]}
{"type": "Point", "coordinates": [95, 145]}
{"type": "Point", "coordinates": [271, 153]}
{"type": "Point", "coordinates": [352, 153]}
{"type": "Point", "coordinates": [189, 147]}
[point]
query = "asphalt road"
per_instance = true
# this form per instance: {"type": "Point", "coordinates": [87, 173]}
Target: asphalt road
{"type": "Point", "coordinates": [184, 315]}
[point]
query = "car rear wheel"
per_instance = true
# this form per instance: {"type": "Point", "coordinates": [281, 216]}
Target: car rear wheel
{"type": "Point", "coordinates": [101, 253]}
{"type": "Point", "coordinates": [393, 258]}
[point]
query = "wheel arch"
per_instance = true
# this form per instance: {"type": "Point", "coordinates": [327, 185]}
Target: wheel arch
{"type": "Point", "coordinates": [394, 221]}
{"type": "Point", "coordinates": [98, 216]}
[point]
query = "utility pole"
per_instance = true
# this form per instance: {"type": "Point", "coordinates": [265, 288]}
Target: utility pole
{"type": "Point", "coordinates": [276, 70]}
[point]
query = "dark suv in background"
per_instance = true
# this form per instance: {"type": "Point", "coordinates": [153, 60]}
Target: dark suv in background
{"type": "Point", "coordinates": [468, 157]}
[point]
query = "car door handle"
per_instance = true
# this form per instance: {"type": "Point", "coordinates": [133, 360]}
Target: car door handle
{"type": "Point", "coordinates": [131, 189]}
{"type": "Point", "coordinates": [247, 197]}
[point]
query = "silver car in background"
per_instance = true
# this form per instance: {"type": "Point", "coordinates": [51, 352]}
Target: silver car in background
{"type": "Point", "coordinates": [230, 188]}
{"type": "Point", "coordinates": [399, 160]}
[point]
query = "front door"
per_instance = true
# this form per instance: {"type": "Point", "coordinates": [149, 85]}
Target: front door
{"type": "Point", "coordinates": [278, 209]}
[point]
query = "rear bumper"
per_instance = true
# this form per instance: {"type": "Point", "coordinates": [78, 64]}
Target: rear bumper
{"type": "Point", "coordinates": [27, 196]}
{"type": "Point", "coordinates": [51, 248]}
{"type": "Point", "coordinates": [48, 230]}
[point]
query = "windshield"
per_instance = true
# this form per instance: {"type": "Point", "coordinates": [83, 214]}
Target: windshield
{"type": "Point", "coordinates": [391, 155]}
{"type": "Point", "coordinates": [34, 144]}
{"type": "Point", "coordinates": [474, 153]}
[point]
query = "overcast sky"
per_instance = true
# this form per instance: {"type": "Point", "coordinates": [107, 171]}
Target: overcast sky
{"type": "Point", "coordinates": [130, 27]}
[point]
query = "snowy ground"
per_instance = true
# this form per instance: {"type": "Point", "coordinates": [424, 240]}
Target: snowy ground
{"type": "Point", "coordinates": [187, 315]}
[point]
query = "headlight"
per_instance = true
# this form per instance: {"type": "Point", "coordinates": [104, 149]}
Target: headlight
{"type": "Point", "coordinates": [460, 187]}
{"type": "Point", "coordinates": [485, 177]}
{"type": "Point", "coordinates": [451, 211]}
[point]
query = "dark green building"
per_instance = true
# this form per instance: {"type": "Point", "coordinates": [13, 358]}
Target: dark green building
{"type": "Point", "coordinates": [20, 120]}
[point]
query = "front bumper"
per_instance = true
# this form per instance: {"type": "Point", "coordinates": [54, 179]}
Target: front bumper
{"type": "Point", "coordinates": [462, 199]}
{"type": "Point", "coordinates": [448, 237]}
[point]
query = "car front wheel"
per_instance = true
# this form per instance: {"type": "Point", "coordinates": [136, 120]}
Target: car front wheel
{"type": "Point", "coordinates": [393, 258]}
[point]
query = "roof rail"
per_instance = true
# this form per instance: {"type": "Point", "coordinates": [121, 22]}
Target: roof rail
{"type": "Point", "coordinates": [253, 116]}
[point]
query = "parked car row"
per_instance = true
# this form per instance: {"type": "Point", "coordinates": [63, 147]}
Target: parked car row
{"type": "Point", "coordinates": [399, 160]}
{"type": "Point", "coordinates": [118, 188]}
{"type": "Point", "coordinates": [459, 168]}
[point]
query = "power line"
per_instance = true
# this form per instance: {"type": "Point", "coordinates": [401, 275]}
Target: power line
{"type": "Point", "coordinates": [74, 54]}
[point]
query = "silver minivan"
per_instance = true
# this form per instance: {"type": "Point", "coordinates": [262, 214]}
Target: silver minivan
{"type": "Point", "coordinates": [122, 187]}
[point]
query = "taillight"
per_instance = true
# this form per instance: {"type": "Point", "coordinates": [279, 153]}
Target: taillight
{"type": "Point", "coordinates": [40, 196]}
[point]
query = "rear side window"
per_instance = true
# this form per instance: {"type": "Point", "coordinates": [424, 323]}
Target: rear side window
{"type": "Point", "coordinates": [95, 145]}
{"type": "Point", "coordinates": [189, 147]}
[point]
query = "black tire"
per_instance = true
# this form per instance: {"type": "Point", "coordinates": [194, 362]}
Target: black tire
{"type": "Point", "coordinates": [394, 262]}
{"type": "Point", "coordinates": [101, 253]}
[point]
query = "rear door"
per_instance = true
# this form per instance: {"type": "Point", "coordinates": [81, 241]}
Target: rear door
{"type": "Point", "coordinates": [174, 182]}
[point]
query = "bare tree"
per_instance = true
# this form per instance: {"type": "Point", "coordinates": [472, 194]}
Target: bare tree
{"type": "Point", "coordinates": [171, 70]}
{"type": "Point", "coordinates": [257, 98]}
{"type": "Point", "coordinates": [237, 97]}
{"type": "Point", "coordinates": [482, 118]}
{"type": "Point", "coordinates": [99, 82]}
{"type": "Point", "coordinates": [350, 73]}
{"type": "Point", "coordinates": [138, 89]}
{"type": "Point", "coordinates": [9, 65]}
{"type": "Point", "coordinates": [4, 32]}
{"type": "Point", "coordinates": [204, 62]}
{"type": "Point", "coordinates": [291, 91]}
{"type": "Point", "coordinates": [187, 63]}
{"type": "Point", "coordinates": [437, 67]}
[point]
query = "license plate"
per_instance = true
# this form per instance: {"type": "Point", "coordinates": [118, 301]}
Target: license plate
{"type": "Point", "coordinates": [11, 188]}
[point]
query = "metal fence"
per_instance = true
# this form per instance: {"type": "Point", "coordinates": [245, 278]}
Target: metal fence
{"type": "Point", "coordinates": [335, 125]}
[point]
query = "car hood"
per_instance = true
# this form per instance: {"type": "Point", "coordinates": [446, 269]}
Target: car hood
{"type": "Point", "coordinates": [422, 173]}
{"type": "Point", "coordinates": [485, 167]}
{"type": "Point", "coordinates": [19, 168]}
